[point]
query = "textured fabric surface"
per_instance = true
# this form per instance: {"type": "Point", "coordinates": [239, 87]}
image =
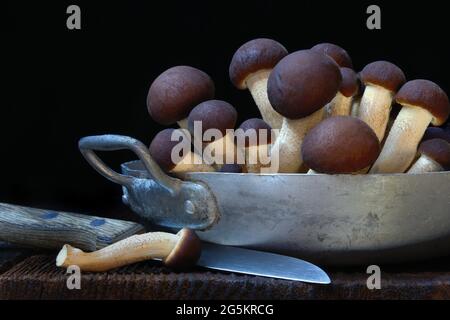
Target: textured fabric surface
{"type": "Point", "coordinates": [37, 278]}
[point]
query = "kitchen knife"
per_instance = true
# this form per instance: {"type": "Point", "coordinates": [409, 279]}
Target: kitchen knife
{"type": "Point", "coordinates": [239, 260]}
{"type": "Point", "coordinates": [50, 229]}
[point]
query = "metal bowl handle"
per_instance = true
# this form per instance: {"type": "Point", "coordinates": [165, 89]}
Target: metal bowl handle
{"type": "Point", "coordinates": [111, 142]}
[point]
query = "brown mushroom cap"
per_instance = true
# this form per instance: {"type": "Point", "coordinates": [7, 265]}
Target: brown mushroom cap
{"type": "Point", "coordinates": [253, 56]}
{"type": "Point", "coordinates": [302, 83]}
{"type": "Point", "coordinates": [186, 252]}
{"type": "Point", "coordinates": [438, 150]}
{"type": "Point", "coordinates": [214, 114]}
{"type": "Point", "coordinates": [176, 91]}
{"type": "Point", "coordinates": [427, 95]}
{"type": "Point", "coordinates": [255, 124]}
{"type": "Point", "coordinates": [338, 54]}
{"type": "Point", "coordinates": [231, 168]}
{"type": "Point", "coordinates": [384, 74]}
{"type": "Point", "coordinates": [161, 149]}
{"type": "Point", "coordinates": [340, 144]}
{"type": "Point", "coordinates": [350, 82]}
{"type": "Point", "coordinates": [436, 133]}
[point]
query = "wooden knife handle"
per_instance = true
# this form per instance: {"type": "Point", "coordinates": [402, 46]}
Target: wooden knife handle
{"type": "Point", "coordinates": [52, 229]}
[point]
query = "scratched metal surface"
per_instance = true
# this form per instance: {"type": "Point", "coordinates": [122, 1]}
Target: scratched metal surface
{"type": "Point", "coordinates": [38, 278]}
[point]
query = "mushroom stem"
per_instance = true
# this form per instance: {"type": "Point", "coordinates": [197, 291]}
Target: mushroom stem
{"type": "Point", "coordinates": [339, 106]}
{"type": "Point", "coordinates": [192, 162]}
{"type": "Point", "coordinates": [256, 157]}
{"type": "Point", "coordinates": [183, 123]}
{"type": "Point", "coordinates": [401, 144]}
{"type": "Point", "coordinates": [375, 108]}
{"type": "Point", "coordinates": [355, 107]}
{"type": "Point", "coordinates": [153, 245]}
{"type": "Point", "coordinates": [425, 164]}
{"type": "Point", "coordinates": [257, 84]}
{"type": "Point", "coordinates": [287, 147]}
{"type": "Point", "coordinates": [311, 171]}
{"type": "Point", "coordinates": [224, 151]}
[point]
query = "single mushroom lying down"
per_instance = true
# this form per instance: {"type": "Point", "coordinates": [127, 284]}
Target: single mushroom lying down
{"type": "Point", "coordinates": [177, 251]}
{"type": "Point", "coordinates": [175, 92]}
{"type": "Point", "coordinates": [175, 156]}
{"type": "Point", "coordinates": [434, 157]}
{"type": "Point", "coordinates": [423, 102]}
{"type": "Point", "coordinates": [340, 144]}
{"type": "Point", "coordinates": [299, 88]}
{"type": "Point", "coordinates": [250, 68]}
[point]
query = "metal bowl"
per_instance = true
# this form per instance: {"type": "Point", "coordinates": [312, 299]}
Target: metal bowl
{"type": "Point", "coordinates": [328, 219]}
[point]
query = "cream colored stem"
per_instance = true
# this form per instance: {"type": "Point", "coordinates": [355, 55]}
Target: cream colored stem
{"type": "Point", "coordinates": [257, 157]}
{"type": "Point", "coordinates": [311, 171]}
{"type": "Point", "coordinates": [154, 245]}
{"type": "Point", "coordinates": [183, 124]}
{"type": "Point", "coordinates": [401, 144]}
{"type": "Point", "coordinates": [355, 107]}
{"type": "Point", "coordinates": [192, 162]}
{"type": "Point", "coordinates": [339, 106]}
{"type": "Point", "coordinates": [257, 84]}
{"type": "Point", "coordinates": [287, 147]}
{"type": "Point", "coordinates": [425, 164]}
{"type": "Point", "coordinates": [224, 151]}
{"type": "Point", "coordinates": [375, 108]}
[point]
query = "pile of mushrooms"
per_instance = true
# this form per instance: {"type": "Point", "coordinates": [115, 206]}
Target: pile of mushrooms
{"type": "Point", "coordinates": [318, 115]}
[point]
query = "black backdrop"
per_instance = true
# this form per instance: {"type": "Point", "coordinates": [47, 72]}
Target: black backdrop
{"type": "Point", "coordinates": [60, 85]}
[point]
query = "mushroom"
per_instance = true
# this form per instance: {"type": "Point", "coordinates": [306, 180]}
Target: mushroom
{"type": "Point", "coordinates": [175, 92]}
{"type": "Point", "coordinates": [341, 105]}
{"type": "Point", "coordinates": [214, 121]}
{"type": "Point", "coordinates": [255, 136]}
{"type": "Point", "coordinates": [423, 102]}
{"type": "Point", "coordinates": [177, 251]}
{"type": "Point", "coordinates": [340, 144]}
{"type": "Point", "coordinates": [175, 156]}
{"type": "Point", "coordinates": [335, 52]}
{"type": "Point", "coordinates": [382, 79]}
{"type": "Point", "coordinates": [299, 87]}
{"type": "Point", "coordinates": [434, 156]}
{"type": "Point", "coordinates": [250, 68]}
{"type": "Point", "coordinates": [436, 133]}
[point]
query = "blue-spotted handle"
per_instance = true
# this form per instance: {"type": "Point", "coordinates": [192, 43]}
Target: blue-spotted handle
{"type": "Point", "coordinates": [49, 229]}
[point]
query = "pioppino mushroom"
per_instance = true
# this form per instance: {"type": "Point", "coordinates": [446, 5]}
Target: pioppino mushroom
{"type": "Point", "coordinates": [162, 149]}
{"type": "Point", "coordinates": [174, 93]}
{"type": "Point", "coordinates": [299, 87]}
{"type": "Point", "coordinates": [423, 102]}
{"type": "Point", "coordinates": [215, 117]}
{"type": "Point", "coordinates": [255, 135]}
{"type": "Point", "coordinates": [382, 79]}
{"type": "Point", "coordinates": [250, 68]}
{"type": "Point", "coordinates": [335, 52]}
{"type": "Point", "coordinates": [177, 251]}
{"type": "Point", "coordinates": [340, 144]}
{"type": "Point", "coordinates": [436, 133]}
{"type": "Point", "coordinates": [434, 156]}
{"type": "Point", "coordinates": [341, 104]}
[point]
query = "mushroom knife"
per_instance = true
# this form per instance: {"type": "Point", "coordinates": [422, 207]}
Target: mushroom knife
{"type": "Point", "coordinates": [239, 260]}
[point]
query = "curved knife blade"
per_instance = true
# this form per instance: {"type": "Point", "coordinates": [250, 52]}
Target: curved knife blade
{"type": "Point", "coordinates": [233, 259]}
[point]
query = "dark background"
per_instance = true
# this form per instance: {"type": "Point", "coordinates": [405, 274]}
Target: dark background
{"type": "Point", "coordinates": [60, 85]}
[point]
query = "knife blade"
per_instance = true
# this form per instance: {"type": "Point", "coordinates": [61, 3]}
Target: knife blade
{"type": "Point", "coordinates": [264, 264]}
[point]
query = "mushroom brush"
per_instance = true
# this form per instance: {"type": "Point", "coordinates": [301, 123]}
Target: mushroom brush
{"type": "Point", "coordinates": [163, 151]}
{"type": "Point", "coordinates": [434, 156]}
{"type": "Point", "coordinates": [255, 135]}
{"type": "Point", "coordinates": [382, 80]}
{"type": "Point", "coordinates": [423, 102]}
{"type": "Point", "coordinates": [340, 144]}
{"type": "Point", "coordinates": [299, 87]}
{"type": "Point", "coordinates": [215, 117]}
{"type": "Point", "coordinates": [250, 68]}
{"type": "Point", "coordinates": [177, 251]}
{"type": "Point", "coordinates": [341, 105]}
{"type": "Point", "coordinates": [175, 92]}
